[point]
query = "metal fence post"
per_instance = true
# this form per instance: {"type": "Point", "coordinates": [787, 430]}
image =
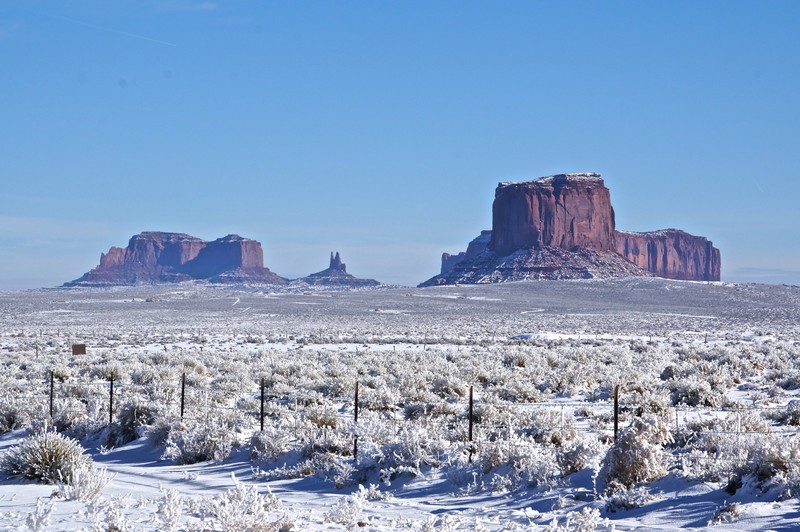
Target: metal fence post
{"type": "Point", "coordinates": [355, 421]}
{"type": "Point", "coordinates": [616, 411]}
{"type": "Point", "coordinates": [262, 404]}
{"type": "Point", "coordinates": [111, 399]}
{"type": "Point", "coordinates": [183, 393]}
{"type": "Point", "coordinates": [52, 392]}
{"type": "Point", "coordinates": [471, 420]}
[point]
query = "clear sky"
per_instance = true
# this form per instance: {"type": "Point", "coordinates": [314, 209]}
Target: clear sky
{"type": "Point", "coordinates": [380, 129]}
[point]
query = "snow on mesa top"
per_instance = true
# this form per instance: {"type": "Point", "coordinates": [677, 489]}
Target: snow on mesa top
{"type": "Point", "coordinates": [563, 227]}
{"type": "Point", "coordinates": [577, 177]}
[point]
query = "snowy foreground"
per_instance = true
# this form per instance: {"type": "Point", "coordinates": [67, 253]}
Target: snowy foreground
{"type": "Point", "coordinates": [707, 375]}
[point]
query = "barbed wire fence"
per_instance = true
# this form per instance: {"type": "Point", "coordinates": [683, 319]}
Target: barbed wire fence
{"type": "Point", "coordinates": [463, 419]}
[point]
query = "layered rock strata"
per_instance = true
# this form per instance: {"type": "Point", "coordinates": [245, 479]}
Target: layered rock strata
{"type": "Point", "coordinates": [158, 257]}
{"type": "Point", "coordinates": [563, 227]}
{"type": "Point", "coordinates": [562, 211]}
{"type": "Point", "coordinates": [671, 253]}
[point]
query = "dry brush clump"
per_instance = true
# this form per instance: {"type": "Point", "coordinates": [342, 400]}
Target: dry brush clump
{"type": "Point", "coordinates": [48, 456]}
{"type": "Point", "coordinates": [637, 456]}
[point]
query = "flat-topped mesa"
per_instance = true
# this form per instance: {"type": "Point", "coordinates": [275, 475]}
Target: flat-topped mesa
{"type": "Point", "coordinates": [564, 211]}
{"type": "Point", "coordinates": [563, 227]}
{"type": "Point", "coordinates": [671, 253]}
{"type": "Point", "coordinates": [157, 257]}
{"type": "Point", "coordinates": [154, 250]}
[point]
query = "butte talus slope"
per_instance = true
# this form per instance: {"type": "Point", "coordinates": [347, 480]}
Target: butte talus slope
{"type": "Point", "coordinates": [156, 257]}
{"type": "Point", "coordinates": [562, 227]}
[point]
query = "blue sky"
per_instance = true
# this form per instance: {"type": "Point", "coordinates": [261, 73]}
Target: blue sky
{"type": "Point", "coordinates": [380, 129]}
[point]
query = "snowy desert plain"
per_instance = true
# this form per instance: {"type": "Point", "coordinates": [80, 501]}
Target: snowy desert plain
{"type": "Point", "coordinates": [158, 426]}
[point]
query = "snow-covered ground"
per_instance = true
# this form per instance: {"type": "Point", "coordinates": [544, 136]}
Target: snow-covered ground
{"type": "Point", "coordinates": [706, 373]}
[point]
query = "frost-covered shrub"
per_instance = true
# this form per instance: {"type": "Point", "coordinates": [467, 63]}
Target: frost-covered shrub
{"type": "Point", "coordinates": [47, 456]}
{"type": "Point", "coordinates": [727, 514]}
{"type": "Point", "coordinates": [413, 448]}
{"type": "Point", "coordinates": [131, 422]}
{"type": "Point", "coordinates": [578, 454]}
{"type": "Point", "coordinates": [244, 508]}
{"type": "Point", "coordinates": [789, 381]}
{"type": "Point", "coordinates": [209, 440]}
{"type": "Point", "coordinates": [13, 415]}
{"type": "Point", "coordinates": [321, 417]}
{"type": "Point", "coordinates": [108, 514]}
{"type": "Point", "coordinates": [108, 371]}
{"type": "Point", "coordinates": [70, 411]}
{"type": "Point", "coordinates": [694, 391]}
{"type": "Point", "coordinates": [519, 391]}
{"type": "Point", "coordinates": [327, 441]}
{"type": "Point", "coordinates": [628, 499]}
{"type": "Point", "coordinates": [383, 399]}
{"type": "Point", "coordinates": [448, 386]}
{"type": "Point", "coordinates": [637, 456]}
{"type": "Point", "coordinates": [647, 400]}
{"type": "Point", "coordinates": [86, 484]}
{"type": "Point", "coordinates": [61, 373]}
{"type": "Point", "coordinates": [269, 445]}
{"type": "Point", "coordinates": [518, 462]}
{"type": "Point", "coordinates": [789, 415]}
{"type": "Point", "coordinates": [587, 520]}
{"type": "Point", "coordinates": [347, 511]}
{"type": "Point", "coordinates": [416, 410]}
{"type": "Point", "coordinates": [550, 427]}
{"type": "Point", "coordinates": [170, 510]}
{"type": "Point", "coordinates": [40, 518]}
{"type": "Point", "coordinates": [331, 467]}
{"type": "Point", "coordinates": [774, 458]}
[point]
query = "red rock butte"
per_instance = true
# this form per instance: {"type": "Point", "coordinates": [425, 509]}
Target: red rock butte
{"type": "Point", "coordinates": [563, 227]}
{"type": "Point", "coordinates": [157, 257]}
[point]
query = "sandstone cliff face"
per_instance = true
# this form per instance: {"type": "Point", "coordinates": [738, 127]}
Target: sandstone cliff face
{"type": "Point", "coordinates": [225, 254]}
{"type": "Point", "coordinates": [671, 253]}
{"type": "Point", "coordinates": [156, 257]}
{"type": "Point", "coordinates": [563, 211]}
{"type": "Point", "coordinates": [563, 227]}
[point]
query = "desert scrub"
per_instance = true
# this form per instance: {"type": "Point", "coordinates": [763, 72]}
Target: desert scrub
{"type": "Point", "coordinates": [637, 456]}
{"type": "Point", "coordinates": [47, 456]}
{"type": "Point", "coordinates": [132, 421]}
{"type": "Point", "coordinates": [13, 415]}
{"type": "Point", "coordinates": [214, 439]}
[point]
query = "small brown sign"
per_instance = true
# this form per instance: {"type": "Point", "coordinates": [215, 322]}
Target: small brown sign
{"type": "Point", "coordinates": [78, 349]}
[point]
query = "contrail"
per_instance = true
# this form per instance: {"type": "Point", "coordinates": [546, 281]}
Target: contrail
{"type": "Point", "coordinates": [112, 30]}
